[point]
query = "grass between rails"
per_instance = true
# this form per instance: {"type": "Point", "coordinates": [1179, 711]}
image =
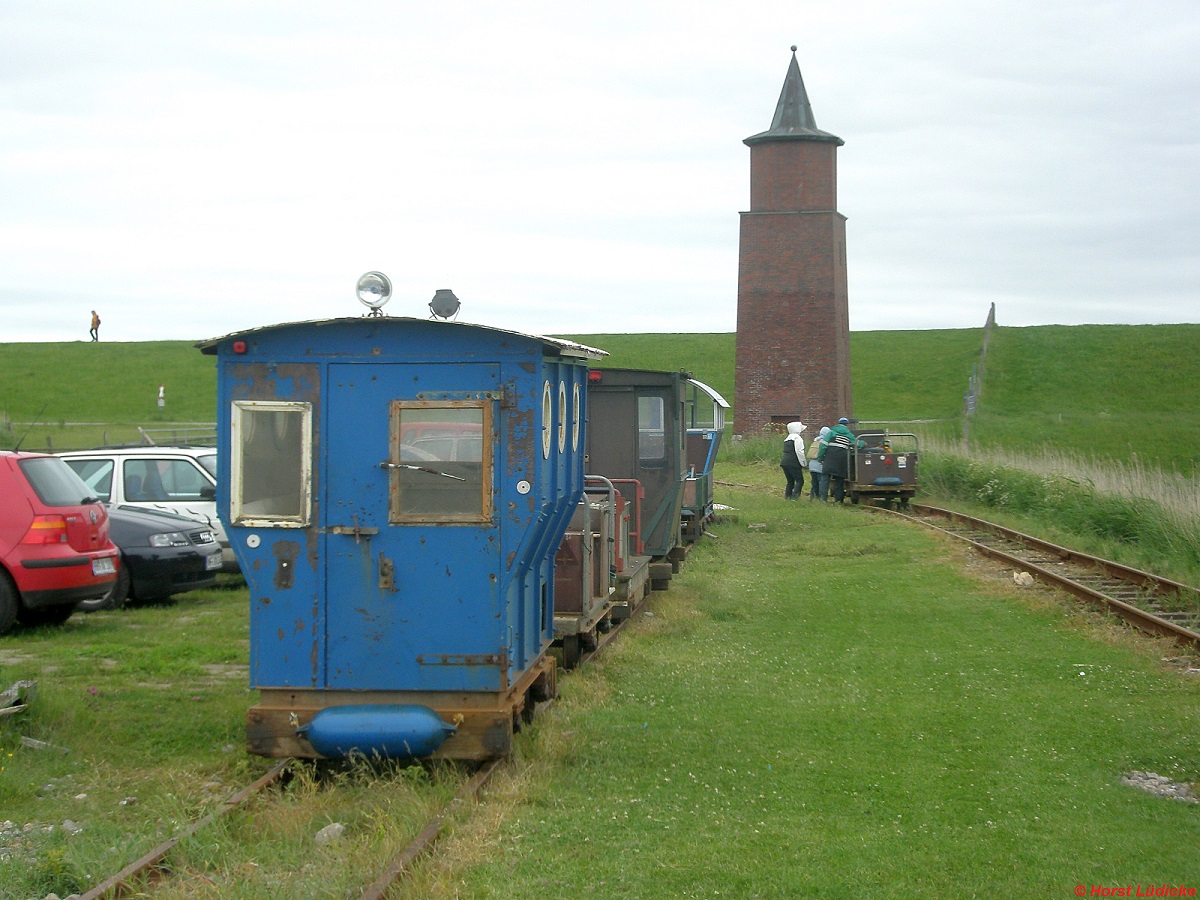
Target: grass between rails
{"type": "Point", "coordinates": [143, 712]}
{"type": "Point", "coordinates": [832, 708]}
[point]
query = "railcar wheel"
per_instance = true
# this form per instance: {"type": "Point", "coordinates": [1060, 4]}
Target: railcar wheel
{"type": "Point", "coordinates": [571, 651]}
{"type": "Point", "coordinates": [529, 710]}
{"type": "Point", "coordinates": [115, 598]}
{"type": "Point", "coordinates": [8, 603]}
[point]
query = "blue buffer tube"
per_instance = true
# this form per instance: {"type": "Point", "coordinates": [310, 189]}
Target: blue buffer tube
{"type": "Point", "coordinates": [391, 731]}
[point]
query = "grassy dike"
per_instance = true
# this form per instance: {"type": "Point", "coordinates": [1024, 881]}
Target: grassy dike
{"type": "Point", "coordinates": [843, 706]}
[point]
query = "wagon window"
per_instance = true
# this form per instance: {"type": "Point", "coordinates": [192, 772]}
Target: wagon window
{"type": "Point", "coordinates": [547, 415]}
{"type": "Point", "coordinates": [652, 439]}
{"type": "Point", "coordinates": [577, 407]}
{"type": "Point", "coordinates": [562, 417]}
{"type": "Point", "coordinates": [440, 461]}
{"type": "Point", "coordinates": [271, 469]}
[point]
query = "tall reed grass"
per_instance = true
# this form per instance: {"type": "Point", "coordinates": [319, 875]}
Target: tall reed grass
{"type": "Point", "coordinates": [1153, 517]}
{"type": "Point", "coordinates": [1176, 492]}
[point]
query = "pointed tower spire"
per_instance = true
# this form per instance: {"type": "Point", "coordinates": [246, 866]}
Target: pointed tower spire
{"type": "Point", "coordinates": [794, 119]}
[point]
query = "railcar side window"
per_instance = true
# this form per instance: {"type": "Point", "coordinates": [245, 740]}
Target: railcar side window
{"type": "Point", "coordinates": [440, 462]}
{"type": "Point", "coordinates": [562, 417]}
{"type": "Point", "coordinates": [271, 463]}
{"type": "Point", "coordinates": [652, 436]}
{"type": "Point", "coordinates": [577, 406]}
{"type": "Point", "coordinates": [547, 414]}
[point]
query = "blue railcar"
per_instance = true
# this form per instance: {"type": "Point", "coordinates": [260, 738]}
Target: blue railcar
{"type": "Point", "coordinates": [705, 419]}
{"type": "Point", "coordinates": [395, 490]}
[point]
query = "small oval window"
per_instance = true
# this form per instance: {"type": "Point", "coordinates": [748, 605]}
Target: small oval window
{"type": "Point", "coordinates": [576, 400]}
{"type": "Point", "coordinates": [547, 415]}
{"type": "Point", "coordinates": [562, 417]}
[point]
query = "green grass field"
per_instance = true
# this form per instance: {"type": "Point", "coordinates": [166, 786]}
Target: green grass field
{"type": "Point", "coordinates": [831, 705]}
{"type": "Point", "coordinates": [828, 705]}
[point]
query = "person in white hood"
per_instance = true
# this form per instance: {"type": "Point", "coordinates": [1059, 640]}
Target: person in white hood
{"type": "Point", "coordinates": [793, 461]}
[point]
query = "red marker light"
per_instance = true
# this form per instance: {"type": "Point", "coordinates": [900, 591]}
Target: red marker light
{"type": "Point", "coordinates": [594, 376]}
{"type": "Point", "coordinates": [239, 346]}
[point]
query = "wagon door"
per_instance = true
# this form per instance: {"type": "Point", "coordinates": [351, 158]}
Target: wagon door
{"type": "Point", "coordinates": [635, 433]}
{"type": "Point", "coordinates": [411, 544]}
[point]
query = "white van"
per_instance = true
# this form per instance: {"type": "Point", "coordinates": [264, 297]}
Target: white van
{"type": "Point", "coordinates": [182, 480]}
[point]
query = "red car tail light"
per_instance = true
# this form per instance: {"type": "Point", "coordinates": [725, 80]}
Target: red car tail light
{"type": "Point", "coordinates": [46, 530]}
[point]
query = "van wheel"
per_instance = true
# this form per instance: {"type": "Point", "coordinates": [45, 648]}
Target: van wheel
{"type": "Point", "coordinates": [8, 604]}
{"type": "Point", "coordinates": [115, 598]}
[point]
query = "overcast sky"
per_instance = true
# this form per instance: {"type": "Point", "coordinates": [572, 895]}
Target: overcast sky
{"type": "Point", "coordinates": [190, 169]}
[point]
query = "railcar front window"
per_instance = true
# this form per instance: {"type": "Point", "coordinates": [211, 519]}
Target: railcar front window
{"type": "Point", "coordinates": [271, 463]}
{"type": "Point", "coordinates": [440, 462]}
{"type": "Point", "coordinates": [652, 437]}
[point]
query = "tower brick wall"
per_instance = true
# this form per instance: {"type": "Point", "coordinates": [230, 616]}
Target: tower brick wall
{"type": "Point", "coordinates": [793, 324]}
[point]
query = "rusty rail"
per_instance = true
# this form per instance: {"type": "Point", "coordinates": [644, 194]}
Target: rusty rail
{"type": "Point", "coordinates": [1132, 594]}
{"type": "Point", "coordinates": [117, 885]}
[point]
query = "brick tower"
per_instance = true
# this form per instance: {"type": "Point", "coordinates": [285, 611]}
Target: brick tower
{"type": "Point", "coordinates": [793, 321]}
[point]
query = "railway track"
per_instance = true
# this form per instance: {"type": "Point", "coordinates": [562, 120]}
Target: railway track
{"type": "Point", "coordinates": [1148, 602]}
{"type": "Point", "coordinates": [151, 866]}
{"type": "Point", "coordinates": [139, 877]}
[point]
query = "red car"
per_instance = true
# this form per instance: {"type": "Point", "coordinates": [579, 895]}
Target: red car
{"type": "Point", "coordinates": [54, 544]}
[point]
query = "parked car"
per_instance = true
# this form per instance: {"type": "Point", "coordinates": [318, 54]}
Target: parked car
{"type": "Point", "coordinates": [54, 541]}
{"type": "Point", "coordinates": [161, 554]}
{"type": "Point", "coordinates": [182, 480]}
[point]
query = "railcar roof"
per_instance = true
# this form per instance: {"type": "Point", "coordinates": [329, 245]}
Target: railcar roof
{"type": "Point", "coordinates": [557, 345]}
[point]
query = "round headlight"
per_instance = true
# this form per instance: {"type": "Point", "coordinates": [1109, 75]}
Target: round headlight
{"type": "Point", "coordinates": [374, 290]}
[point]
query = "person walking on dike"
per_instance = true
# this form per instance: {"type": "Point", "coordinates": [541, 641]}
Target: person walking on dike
{"type": "Point", "coordinates": [793, 461]}
{"type": "Point", "coordinates": [835, 458]}
{"type": "Point", "coordinates": [816, 469]}
{"type": "Point", "coordinates": [94, 331]}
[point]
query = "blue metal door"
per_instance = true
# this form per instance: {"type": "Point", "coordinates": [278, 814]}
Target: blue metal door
{"type": "Point", "coordinates": [412, 596]}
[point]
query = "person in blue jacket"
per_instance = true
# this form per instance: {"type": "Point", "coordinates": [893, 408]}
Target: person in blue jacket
{"type": "Point", "coordinates": [816, 469]}
{"type": "Point", "coordinates": [835, 458]}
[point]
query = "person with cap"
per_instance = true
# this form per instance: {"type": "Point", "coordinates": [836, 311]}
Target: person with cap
{"type": "Point", "coordinates": [793, 461]}
{"type": "Point", "coordinates": [835, 458]}
{"type": "Point", "coordinates": [816, 469]}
